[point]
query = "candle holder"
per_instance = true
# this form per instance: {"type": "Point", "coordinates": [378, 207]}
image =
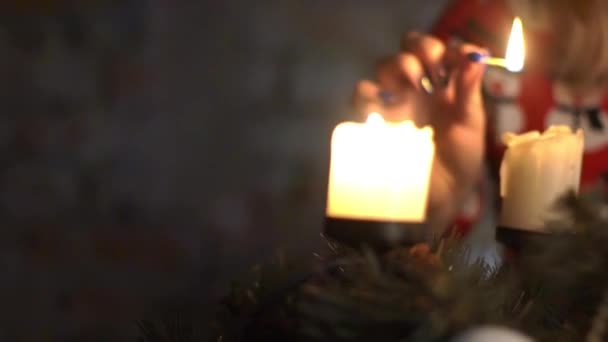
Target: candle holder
{"type": "Point", "coordinates": [516, 240]}
{"type": "Point", "coordinates": [378, 235]}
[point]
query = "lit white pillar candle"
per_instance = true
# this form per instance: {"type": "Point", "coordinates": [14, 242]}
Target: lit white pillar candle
{"type": "Point", "coordinates": [380, 171]}
{"type": "Point", "coordinates": [536, 170]}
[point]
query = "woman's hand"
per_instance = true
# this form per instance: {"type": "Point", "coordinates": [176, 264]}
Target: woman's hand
{"type": "Point", "coordinates": [454, 108]}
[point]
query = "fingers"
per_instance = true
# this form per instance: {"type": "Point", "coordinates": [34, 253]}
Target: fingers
{"type": "Point", "coordinates": [448, 64]}
{"type": "Point", "coordinates": [421, 58]}
{"type": "Point", "coordinates": [400, 73]}
{"type": "Point", "coordinates": [454, 79]}
{"type": "Point", "coordinates": [366, 98]}
{"type": "Point", "coordinates": [369, 97]}
{"type": "Point", "coordinates": [430, 52]}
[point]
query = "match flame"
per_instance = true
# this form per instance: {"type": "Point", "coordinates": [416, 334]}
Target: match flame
{"type": "Point", "coordinates": [516, 49]}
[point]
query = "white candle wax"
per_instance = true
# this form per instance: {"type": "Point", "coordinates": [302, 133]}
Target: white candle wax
{"type": "Point", "coordinates": [536, 170]}
{"type": "Point", "coordinates": [380, 171]}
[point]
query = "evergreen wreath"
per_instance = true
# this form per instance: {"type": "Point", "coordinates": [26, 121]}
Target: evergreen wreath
{"type": "Point", "coordinates": [555, 290]}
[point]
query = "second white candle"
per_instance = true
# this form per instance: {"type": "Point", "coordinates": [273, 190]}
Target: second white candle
{"type": "Point", "coordinates": [536, 170]}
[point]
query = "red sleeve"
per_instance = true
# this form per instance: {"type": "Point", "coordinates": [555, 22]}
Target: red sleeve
{"type": "Point", "coordinates": [482, 22]}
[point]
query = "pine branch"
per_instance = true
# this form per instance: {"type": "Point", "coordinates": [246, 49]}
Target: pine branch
{"type": "Point", "coordinates": [426, 292]}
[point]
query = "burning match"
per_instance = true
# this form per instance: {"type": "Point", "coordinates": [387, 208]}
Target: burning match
{"type": "Point", "coordinates": [516, 51]}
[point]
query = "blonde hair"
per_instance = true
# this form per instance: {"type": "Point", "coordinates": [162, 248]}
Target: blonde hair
{"type": "Point", "coordinates": [579, 56]}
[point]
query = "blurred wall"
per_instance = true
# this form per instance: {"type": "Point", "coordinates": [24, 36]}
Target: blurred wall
{"type": "Point", "coordinates": [256, 91]}
{"type": "Point", "coordinates": [210, 118]}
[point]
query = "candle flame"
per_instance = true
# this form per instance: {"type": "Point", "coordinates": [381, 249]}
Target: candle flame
{"type": "Point", "coordinates": [375, 119]}
{"type": "Point", "coordinates": [516, 48]}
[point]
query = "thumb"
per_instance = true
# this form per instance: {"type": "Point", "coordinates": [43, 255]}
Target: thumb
{"type": "Point", "coordinates": [468, 83]}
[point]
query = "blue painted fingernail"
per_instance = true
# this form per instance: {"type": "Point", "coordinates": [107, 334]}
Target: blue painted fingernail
{"type": "Point", "coordinates": [386, 96]}
{"type": "Point", "coordinates": [475, 56]}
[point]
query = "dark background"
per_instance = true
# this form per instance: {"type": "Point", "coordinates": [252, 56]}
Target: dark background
{"type": "Point", "coordinates": [151, 148]}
